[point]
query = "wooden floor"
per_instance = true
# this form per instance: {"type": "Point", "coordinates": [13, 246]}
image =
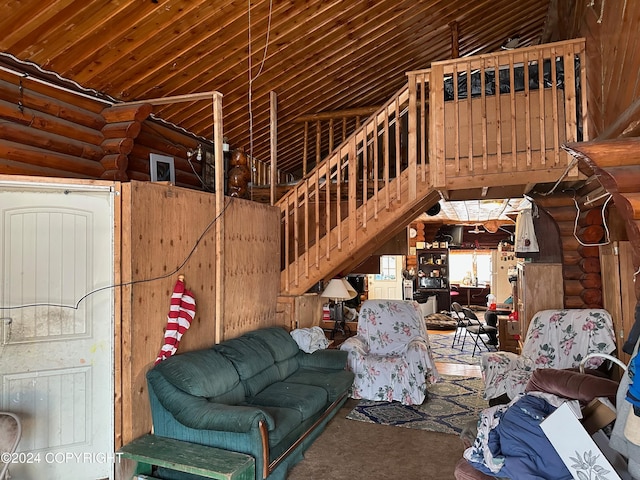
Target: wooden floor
{"type": "Point", "coordinates": [455, 368]}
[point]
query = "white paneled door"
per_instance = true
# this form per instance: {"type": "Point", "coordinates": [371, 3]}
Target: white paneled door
{"type": "Point", "coordinates": [56, 351]}
{"type": "Point", "coordinates": [388, 283]}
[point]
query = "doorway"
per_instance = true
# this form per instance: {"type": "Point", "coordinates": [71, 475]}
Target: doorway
{"type": "Point", "coordinates": [388, 283]}
{"type": "Point", "coordinates": [56, 331]}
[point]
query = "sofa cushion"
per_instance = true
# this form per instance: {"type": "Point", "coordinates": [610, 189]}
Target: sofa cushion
{"type": "Point", "coordinates": [286, 421]}
{"type": "Point", "coordinates": [253, 362]}
{"type": "Point", "coordinates": [334, 382]}
{"type": "Point", "coordinates": [202, 373]}
{"type": "Point", "coordinates": [277, 340]}
{"type": "Point", "coordinates": [282, 346]}
{"type": "Point", "coordinates": [306, 399]}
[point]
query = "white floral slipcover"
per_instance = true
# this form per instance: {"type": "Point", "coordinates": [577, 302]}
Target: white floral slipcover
{"type": "Point", "coordinates": [391, 356]}
{"type": "Point", "coordinates": [555, 339]}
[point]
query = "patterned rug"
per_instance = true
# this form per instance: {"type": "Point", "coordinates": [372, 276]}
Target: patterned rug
{"type": "Point", "coordinates": [442, 351]}
{"type": "Point", "coordinates": [452, 404]}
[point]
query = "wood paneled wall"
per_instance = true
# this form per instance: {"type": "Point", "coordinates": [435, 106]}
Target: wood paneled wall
{"type": "Point", "coordinates": [252, 266]}
{"type": "Point", "coordinates": [610, 28]}
{"type": "Point", "coordinates": [161, 225]}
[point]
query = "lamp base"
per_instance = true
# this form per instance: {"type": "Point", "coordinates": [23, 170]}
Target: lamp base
{"type": "Point", "coordinates": [339, 325]}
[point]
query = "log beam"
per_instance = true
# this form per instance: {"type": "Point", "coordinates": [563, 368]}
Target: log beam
{"type": "Point", "coordinates": [123, 125]}
{"type": "Point", "coordinates": [52, 160]}
{"type": "Point", "coordinates": [616, 165]}
{"type": "Point", "coordinates": [48, 123]}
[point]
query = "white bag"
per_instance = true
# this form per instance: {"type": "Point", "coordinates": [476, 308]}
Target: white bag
{"type": "Point", "coordinates": [526, 241]}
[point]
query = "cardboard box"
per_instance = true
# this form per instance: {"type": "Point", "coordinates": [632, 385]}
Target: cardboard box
{"type": "Point", "coordinates": [513, 328]}
{"type": "Point", "coordinates": [597, 415]}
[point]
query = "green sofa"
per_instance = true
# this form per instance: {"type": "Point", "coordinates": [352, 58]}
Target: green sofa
{"type": "Point", "coordinates": [257, 394]}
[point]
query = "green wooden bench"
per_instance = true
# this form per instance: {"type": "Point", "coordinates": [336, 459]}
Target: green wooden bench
{"type": "Point", "coordinates": [208, 462]}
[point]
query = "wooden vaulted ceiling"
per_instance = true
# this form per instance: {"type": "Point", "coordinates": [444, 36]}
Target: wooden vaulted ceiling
{"type": "Point", "coordinates": [318, 55]}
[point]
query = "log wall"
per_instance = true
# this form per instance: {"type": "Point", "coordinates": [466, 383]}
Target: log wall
{"type": "Point", "coordinates": [160, 227]}
{"type": "Point", "coordinates": [581, 231]}
{"type": "Point", "coordinates": [51, 132]}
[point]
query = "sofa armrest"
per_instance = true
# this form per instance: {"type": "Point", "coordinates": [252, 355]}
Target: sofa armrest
{"type": "Point", "coordinates": [496, 368]}
{"type": "Point", "coordinates": [200, 413]}
{"type": "Point", "coordinates": [205, 415]}
{"type": "Point", "coordinates": [583, 387]}
{"type": "Point", "coordinates": [333, 359]}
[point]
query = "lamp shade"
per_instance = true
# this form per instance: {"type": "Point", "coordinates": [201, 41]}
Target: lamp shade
{"type": "Point", "coordinates": [338, 290]}
{"type": "Point", "coordinates": [352, 291]}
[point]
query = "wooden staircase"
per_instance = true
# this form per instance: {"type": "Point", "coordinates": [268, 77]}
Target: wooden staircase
{"type": "Point", "coordinates": [436, 138]}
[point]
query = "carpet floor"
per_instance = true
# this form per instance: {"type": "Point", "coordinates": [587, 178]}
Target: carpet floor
{"type": "Point", "coordinates": [453, 403]}
{"type": "Point", "coordinates": [349, 450]}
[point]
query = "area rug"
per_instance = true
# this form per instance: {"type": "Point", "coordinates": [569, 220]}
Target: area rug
{"type": "Point", "coordinates": [443, 352]}
{"type": "Point", "coordinates": [453, 403]}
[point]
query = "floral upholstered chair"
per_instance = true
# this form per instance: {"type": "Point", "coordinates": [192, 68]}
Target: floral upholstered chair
{"type": "Point", "coordinates": [391, 356]}
{"type": "Point", "coordinates": [555, 339]}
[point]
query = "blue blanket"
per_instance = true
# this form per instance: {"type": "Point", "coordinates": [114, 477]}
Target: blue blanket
{"type": "Point", "coordinates": [519, 441]}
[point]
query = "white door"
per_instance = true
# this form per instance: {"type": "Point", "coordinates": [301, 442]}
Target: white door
{"type": "Point", "coordinates": [56, 361]}
{"type": "Point", "coordinates": [388, 283]}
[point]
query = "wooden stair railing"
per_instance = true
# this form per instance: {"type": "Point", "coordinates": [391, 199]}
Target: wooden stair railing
{"type": "Point", "coordinates": [421, 145]}
{"type": "Point", "coordinates": [327, 217]}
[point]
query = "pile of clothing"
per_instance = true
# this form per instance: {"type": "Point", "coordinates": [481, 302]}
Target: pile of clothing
{"type": "Point", "coordinates": [511, 444]}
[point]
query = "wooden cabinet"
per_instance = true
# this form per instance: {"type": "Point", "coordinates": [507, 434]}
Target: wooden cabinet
{"type": "Point", "coordinates": [433, 275]}
{"type": "Point", "coordinates": [539, 287]}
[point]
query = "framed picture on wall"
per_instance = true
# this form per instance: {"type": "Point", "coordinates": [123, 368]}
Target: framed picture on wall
{"type": "Point", "coordinates": [162, 168]}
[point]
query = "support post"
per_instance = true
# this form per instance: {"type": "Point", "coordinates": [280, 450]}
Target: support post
{"type": "Point", "coordinates": [273, 101]}
{"type": "Point", "coordinates": [218, 157]}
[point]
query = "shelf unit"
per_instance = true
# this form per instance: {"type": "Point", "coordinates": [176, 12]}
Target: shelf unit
{"type": "Point", "coordinates": [433, 275]}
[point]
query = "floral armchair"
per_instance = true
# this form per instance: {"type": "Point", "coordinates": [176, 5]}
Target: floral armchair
{"type": "Point", "coordinates": [391, 356]}
{"type": "Point", "coordinates": [555, 339]}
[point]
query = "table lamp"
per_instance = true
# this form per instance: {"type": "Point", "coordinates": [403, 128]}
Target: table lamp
{"type": "Point", "coordinates": [339, 290]}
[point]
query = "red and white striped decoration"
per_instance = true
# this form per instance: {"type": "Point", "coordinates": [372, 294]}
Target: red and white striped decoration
{"type": "Point", "coordinates": [181, 313]}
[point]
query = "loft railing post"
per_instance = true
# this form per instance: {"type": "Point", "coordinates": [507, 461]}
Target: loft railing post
{"type": "Point", "coordinates": [412, 151]}
{"type": "Point", "coordinates": [436, 128]}
{"type": "Point", "coordinates": [352, 172]}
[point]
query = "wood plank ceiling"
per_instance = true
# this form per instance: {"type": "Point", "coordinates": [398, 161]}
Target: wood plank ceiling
{"type": "Point", "coordinates": [318, 55]}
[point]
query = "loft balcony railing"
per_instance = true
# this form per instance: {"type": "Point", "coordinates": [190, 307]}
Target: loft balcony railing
{"type": "Point", "coordinates": [465, 123]}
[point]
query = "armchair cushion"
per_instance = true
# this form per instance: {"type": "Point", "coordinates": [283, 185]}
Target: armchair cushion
{"type": "Point", "coordinates": [555, 339]}
{"type": "Point", "coordinates": [390, 356]}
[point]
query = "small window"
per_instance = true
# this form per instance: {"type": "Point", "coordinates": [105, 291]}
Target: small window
{"type": "Point", "coordinates": [387, 268]}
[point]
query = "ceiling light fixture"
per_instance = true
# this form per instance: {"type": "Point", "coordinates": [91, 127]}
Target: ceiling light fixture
{"type": "Point", "coordinates": [477, 230]}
